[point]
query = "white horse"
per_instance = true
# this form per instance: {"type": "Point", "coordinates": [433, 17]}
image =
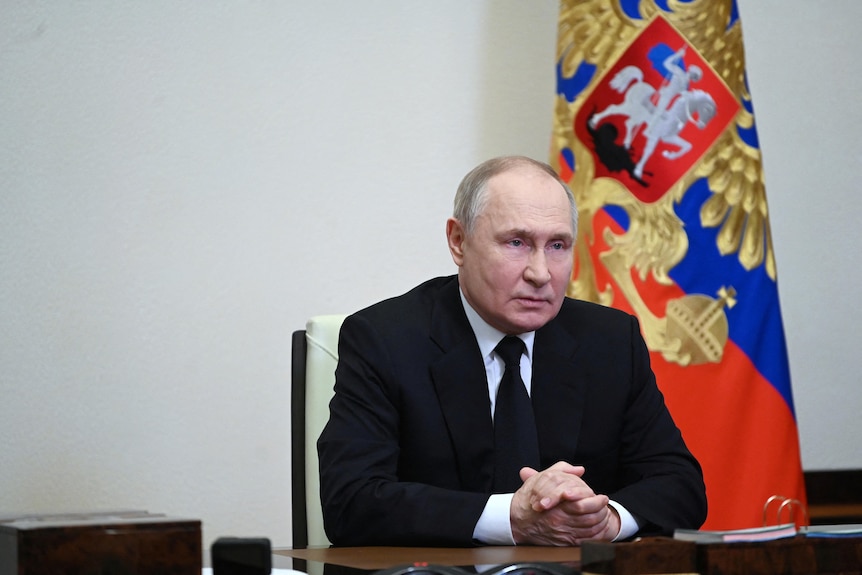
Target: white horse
{"type": "Point", "coordinates": [666, 126]}
{"type": "Point", "coordinates": [661, 125]}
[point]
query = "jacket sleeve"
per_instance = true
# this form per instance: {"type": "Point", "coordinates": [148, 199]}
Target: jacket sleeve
{"type": "Point", "coordinates": [364, 500]}
{"type": "Point", "coordinates": [661, 482]}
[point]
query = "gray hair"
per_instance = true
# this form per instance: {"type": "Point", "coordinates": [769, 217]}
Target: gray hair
{"type": "Point", "coordinates": [471, 197]}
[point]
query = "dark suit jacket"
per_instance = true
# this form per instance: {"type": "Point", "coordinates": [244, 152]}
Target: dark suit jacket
{"type": "Point", "coordinates": [407, 455]}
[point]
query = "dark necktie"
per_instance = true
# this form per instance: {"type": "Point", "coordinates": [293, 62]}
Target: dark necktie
{"type": "Point", "coordinates": [515, 441]}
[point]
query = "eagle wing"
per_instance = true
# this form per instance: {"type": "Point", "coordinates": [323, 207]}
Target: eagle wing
{"type": "Point", "coordinates": [733, 166]}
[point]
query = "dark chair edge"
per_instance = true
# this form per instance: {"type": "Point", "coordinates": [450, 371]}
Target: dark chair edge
{"type": "Point", "coordinates": [299, 522]}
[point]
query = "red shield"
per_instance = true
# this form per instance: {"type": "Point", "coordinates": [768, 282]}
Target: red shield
{"type": "Point", "coordinates": [655, 113]}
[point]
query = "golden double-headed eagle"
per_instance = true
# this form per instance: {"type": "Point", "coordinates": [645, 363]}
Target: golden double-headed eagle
{"type": "Point", "coordinates": [597, 32]}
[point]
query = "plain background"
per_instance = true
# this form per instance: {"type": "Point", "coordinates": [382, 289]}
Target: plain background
{"type": "Point", "coordinates": [182, 184]}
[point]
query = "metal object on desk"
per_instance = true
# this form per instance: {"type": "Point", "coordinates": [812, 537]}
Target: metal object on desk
{"type": "Point", "coordinates": [779, 504]}
{"type": "Point", "coordinates": [516, 568]}
{"type": "Point", "coordinates": [531, 568]}
{"type": "Point", "coordinates": [422, 568]}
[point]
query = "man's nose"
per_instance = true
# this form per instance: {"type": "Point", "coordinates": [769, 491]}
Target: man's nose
{"type": "Point", "coordinates": [537, 271]}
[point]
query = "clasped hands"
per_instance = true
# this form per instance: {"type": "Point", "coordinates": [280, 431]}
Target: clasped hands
{"type": "Point", "coordinates": [556, 507]}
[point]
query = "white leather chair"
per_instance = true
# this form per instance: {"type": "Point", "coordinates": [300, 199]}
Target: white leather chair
{"type": "Point", "coordinates": [313, 357]}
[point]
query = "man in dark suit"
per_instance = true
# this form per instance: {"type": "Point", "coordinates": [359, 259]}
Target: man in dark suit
{"type": "Point", "coordinates": [408, 455]}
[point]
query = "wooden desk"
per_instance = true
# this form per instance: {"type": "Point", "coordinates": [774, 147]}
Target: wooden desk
{"type": "Point", "coordinates": [798, 555]}
{"type": "Point", "coordinates": [374, 558]}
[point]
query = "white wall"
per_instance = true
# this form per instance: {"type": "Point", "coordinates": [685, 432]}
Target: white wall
{"type": "Point", "coordinates": [805, 75]}
{"type": "Point", "coordinates": [182, 184]}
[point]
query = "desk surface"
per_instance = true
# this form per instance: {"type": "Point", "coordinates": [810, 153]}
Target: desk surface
{"type": "Point", "coordinates": [798, 555]}
{"type": "Point", "coordinates": [373, 558]}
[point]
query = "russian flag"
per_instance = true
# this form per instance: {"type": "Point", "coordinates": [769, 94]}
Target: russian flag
{"type": "Point", "coordinates": [686, 246]}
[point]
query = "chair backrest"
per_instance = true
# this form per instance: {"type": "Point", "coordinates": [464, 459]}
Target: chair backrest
{"type": "Point", "coordinates": [314, 355]}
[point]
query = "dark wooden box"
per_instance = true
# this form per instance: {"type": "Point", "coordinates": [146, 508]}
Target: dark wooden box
{"type": "Point", "coordinates": [642, 557]}
{"type": "Point", "coordinates": [798, 555]}
{"type": "Point", "coordinates": [103, 543]}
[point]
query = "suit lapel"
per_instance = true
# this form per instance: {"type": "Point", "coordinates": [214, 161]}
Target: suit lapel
{"type": "Point", "coordinates": [462, 388]}
{"type": "Point", "coordinates": [557, 391]}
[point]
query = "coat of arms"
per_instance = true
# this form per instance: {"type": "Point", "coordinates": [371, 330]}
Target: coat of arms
{"type": "Point", "coordinates": [652, 120]}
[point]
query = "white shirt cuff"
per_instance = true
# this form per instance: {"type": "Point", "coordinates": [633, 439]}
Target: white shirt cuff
{"type": "Point", "coordinates": [494, 526]}
{"type": "Point", "coordinates": [628, 525]}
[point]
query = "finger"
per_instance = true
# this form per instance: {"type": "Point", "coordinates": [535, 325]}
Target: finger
{"type": "Point", "coordinates": [549, 490]}
{"type": "Point", "coordinates": [586, 506]}
{"type": "Point", "coordinates": [555, 527]}
{"type": "Point", "coordinates": [527, 472]}
{"type": "Point", "coordinates": [561, 481]}
{"type": "Point", "coordinates": [568, 468]}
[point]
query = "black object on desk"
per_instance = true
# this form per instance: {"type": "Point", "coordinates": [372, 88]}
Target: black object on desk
{"type": "Point", "coordinates": [241, 556]}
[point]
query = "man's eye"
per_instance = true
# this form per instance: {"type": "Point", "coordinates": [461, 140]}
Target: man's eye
{"type": "Point", "coordinates": [558, 246]}
{"type": "Point", "coordinates": [516, 243]}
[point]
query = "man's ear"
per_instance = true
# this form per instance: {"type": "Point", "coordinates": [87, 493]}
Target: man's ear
{"type": "Point", "coordinates": [455, 236]}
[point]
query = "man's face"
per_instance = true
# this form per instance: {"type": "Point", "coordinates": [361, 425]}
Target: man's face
{"type": "Point", "coordinates": [516, 264]}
